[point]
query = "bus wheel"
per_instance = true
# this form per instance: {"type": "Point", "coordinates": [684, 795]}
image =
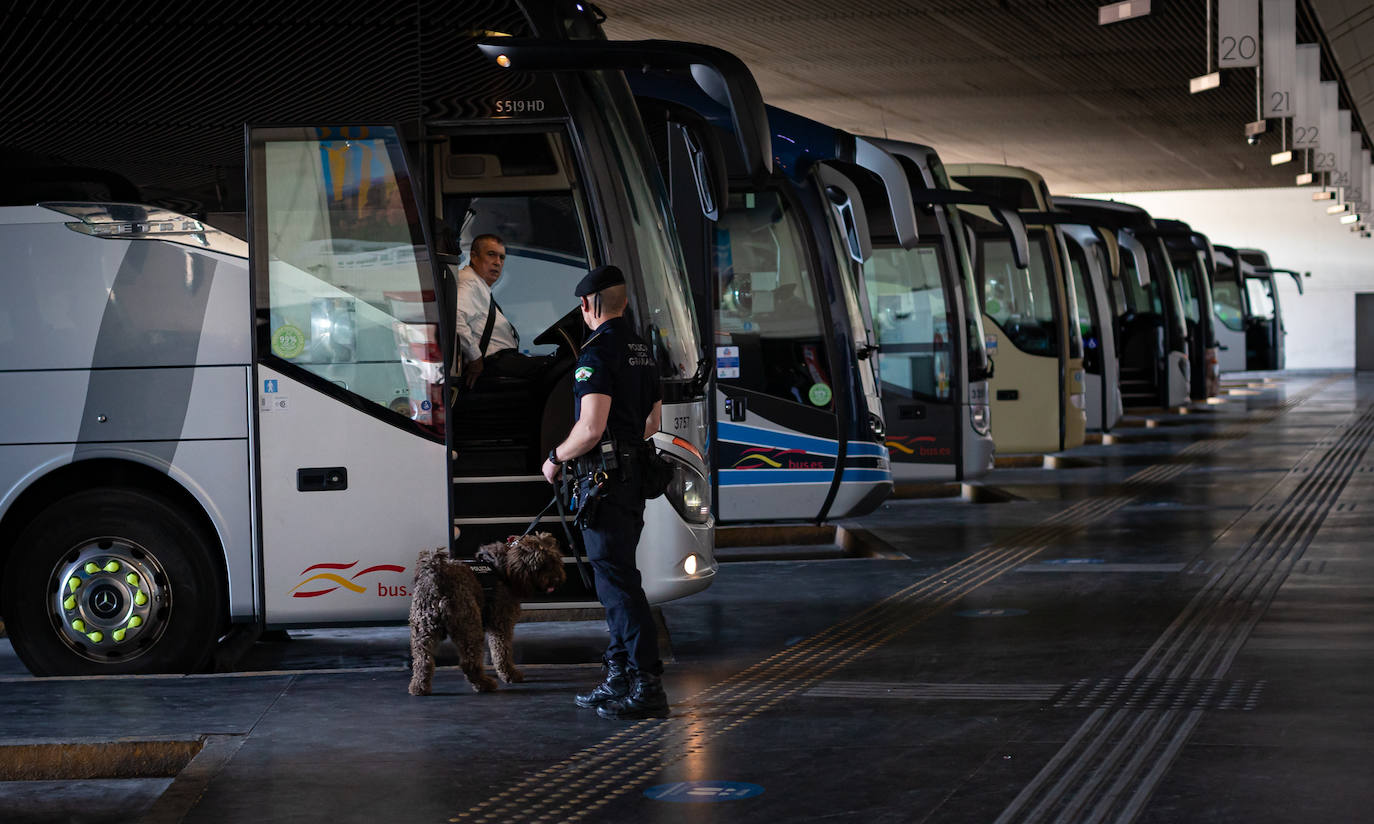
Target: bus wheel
{"type": "Point", "coordinates": [112, 581]}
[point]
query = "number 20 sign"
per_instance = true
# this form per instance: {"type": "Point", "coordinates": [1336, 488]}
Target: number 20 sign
{"type": "Point", "coordinates": [1237, 33]}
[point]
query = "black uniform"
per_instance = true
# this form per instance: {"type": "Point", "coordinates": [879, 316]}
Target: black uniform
{"type": "Point", "coordinates": [617, 362]}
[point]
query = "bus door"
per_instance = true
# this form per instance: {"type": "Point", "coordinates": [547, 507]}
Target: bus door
{"type": "Point", "coordinates": [777, 433]}
{"type": "Point", "coordinates": [1228, 307]}
{"type": "Point", "coordinates": [864, 478]}
{"type": "Point", "coordinates": [1020, 310]}
{"type": "Point", "coordinates": [348, 377]}
{"type": "Point", "coordinates": [520, 184]}
{"type": "Point", "coordinates": [1089, 262]}
{"type": "Point", "coordinates": [1178, 335]}
{"type": "Point", "coordinates": [1188, 263]}
{"type": "Point", "coordinates": [1141, 329]}
{"type": "Point", "coordinates": [1260, 333]}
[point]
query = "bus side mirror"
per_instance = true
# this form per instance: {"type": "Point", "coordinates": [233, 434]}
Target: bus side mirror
{"type": "Point", "coordinates": [707, 162]}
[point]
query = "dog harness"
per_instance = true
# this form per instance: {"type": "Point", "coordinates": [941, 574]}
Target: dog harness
{"type": "Point", "coordinates": [487, 579]}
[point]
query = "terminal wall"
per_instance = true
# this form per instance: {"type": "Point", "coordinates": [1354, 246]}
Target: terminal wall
{"type": "Point", "coordinates": [1298, 234]}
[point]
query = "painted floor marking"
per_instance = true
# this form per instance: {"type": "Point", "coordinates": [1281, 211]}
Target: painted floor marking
{"type": "Point", "coordinates": [1201, 643]}
{"type": "Point", "coordinates": [576, 787]}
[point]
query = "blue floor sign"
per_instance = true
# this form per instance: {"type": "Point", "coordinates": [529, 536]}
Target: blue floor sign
{"type": "Point", "coordinates": [703, 791]}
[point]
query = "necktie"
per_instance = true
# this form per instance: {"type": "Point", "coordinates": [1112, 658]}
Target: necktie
{"type": "Point", "coordinates": [515, 332]}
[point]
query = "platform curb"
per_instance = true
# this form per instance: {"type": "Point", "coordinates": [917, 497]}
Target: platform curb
{"type": "Point", "coordinates": [1023, 460]}
{"type": "Point", "coordinates": [908, 491]}
{"type": "Point", "coordinates": [84, 759]}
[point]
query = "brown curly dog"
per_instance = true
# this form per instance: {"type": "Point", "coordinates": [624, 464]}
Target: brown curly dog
{"type": "Point", "coordinates": [448, 601]}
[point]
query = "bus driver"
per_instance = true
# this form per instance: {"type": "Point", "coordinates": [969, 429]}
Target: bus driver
{"type": "Point", "coordinates": [489, 342]}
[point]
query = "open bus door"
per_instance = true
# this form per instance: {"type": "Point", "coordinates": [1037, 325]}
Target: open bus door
{"type": "Point", "coordinates": [347, 374]}
{"type": "Point", "coordinates": [1230, 307]}
{"type": "Point", "coordinates": [1091, 253]}
{"type": "Point", "coordinates": [1037, 385]}
{"type": "Point", "coordinates": [934, 360]}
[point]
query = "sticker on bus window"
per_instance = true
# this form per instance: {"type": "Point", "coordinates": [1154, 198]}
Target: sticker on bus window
{"type": "Point", "coordinates": [819, 394]}
{"type": "Point", "coordinates": [991, 343]}
{"type": "Point", "coordinates": [727, 361]}
{"type": "Point", "coordinates": [288, 341]}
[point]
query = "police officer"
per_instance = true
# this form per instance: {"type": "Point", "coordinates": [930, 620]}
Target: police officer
{"type": "Point", "coordinates": [618, 407]}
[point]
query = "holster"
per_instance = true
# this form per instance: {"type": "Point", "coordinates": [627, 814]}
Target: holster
{"type": "Point", "coordinates": [587, 500]}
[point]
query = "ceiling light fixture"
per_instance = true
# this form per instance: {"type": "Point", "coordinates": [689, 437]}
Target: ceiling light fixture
{"type": "Point", "coordinates": [1207, 82]}
{"type": "Point", "coordinates": [1337, 208]}
{"type": "Point", "coordinates": [1304, 179]}
{"type": "Point", "coordinates": [1280, 158]}
{"type": "Point", "coordinates": [1323, 195]}
{"type": "Point", "coordinates": [1349, 219]}
{"type": "Point", "coordinates": [1116, 12]}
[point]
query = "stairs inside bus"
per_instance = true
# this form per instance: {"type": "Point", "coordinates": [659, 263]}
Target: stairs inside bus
{"type": "Point", "coordinates": [1138, 388]}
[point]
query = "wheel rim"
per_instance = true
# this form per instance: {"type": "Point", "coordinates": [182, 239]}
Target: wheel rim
{"type": "Point", "coordinates": [109, 600]}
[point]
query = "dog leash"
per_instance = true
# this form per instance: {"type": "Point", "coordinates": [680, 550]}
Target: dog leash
{"type": "Point", "coordinates": [573, 543]}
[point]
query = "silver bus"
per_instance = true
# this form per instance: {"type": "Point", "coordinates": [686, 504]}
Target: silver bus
{"type": "Point", "coordinates": [225, 310]}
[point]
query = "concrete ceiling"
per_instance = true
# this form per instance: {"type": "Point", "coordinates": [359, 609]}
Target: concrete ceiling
{"type": "Point", "coordinates": [1038, 84]}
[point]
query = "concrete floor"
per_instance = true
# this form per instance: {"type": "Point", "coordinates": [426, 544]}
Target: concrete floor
{"type": "Point", "coordinates": [1178, 629]}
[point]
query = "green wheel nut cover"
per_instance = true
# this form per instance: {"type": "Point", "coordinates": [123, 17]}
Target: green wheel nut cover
{"type": "Point", "coordinates": [135, 622]}
{"type": "Point", "coordinates": [73, 583]}
{"type": "Point", "coordinates": [112, 566]}
{"type": "Point", "coordinates": [132, 578]}
{"type": "Point", "coordinates": [91, 568]}
{"type": "Point", "coordinates": [119, 635]}
{"type": "Point", "coordinates": [96, 636]}
{"type": "Point", "coordinates": [140, 599]}
{"type": "Point", "coordinates": [79, 625]}
{"type": "Point", "coordinates": [70, 603]}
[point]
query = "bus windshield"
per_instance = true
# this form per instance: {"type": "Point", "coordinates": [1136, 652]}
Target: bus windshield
{"type": "Point", "coordinates": [1168, 286]}
{"type": "Point", "coordinates": [858, 324]}
{"type": "Point", "coordinates": [1188, 271]}
{"type": "Point", "coordinates": [1261, 293]}
{"type": "Point", "coordinates": [911, 319]}
{"type": "Point", "coordinates": [666, 305]}
{"type": "Point", "coordinates": [974, 335]}
{"type": "Point", "coordinates": [1018, 300]}
{"type": "Point", "coordinates": [1141, 298]}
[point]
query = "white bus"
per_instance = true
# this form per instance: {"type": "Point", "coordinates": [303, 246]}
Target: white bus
{"type": "Point", "coordinates": [225, 328]}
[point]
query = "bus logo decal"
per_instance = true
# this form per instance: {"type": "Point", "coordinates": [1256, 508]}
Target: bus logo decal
{"type": "Point", "coordinates": [338, 580]}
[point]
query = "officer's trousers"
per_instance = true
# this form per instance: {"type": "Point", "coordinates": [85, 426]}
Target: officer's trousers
{"type": "Point", "coordinates": [611, 543]}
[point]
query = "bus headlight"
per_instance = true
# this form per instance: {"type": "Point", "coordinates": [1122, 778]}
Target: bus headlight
{"type": "Point", "coordinates": [980, 417]}
{"type": "Point", "coordinates": [876, 428]}
{"type": "Point", "coordinates": [690, 494]}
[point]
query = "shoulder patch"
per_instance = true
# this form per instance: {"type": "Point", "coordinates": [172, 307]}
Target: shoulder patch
{"type": "Point", "coordinates": [582, 373]}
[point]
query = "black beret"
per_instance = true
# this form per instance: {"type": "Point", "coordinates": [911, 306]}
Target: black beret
{"type": "Point", "coordinates": [602, 277]}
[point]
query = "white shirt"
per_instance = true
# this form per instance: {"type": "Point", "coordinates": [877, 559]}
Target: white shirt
{"type": "Point", "coordinates": [473, 299]}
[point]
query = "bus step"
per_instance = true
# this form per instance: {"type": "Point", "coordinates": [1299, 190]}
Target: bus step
{"type": "Point", "coordinates": [488, 497]}
{"type": "Point", "coordinates": [492, 458]}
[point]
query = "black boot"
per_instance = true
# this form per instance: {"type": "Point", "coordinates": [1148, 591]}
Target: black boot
{"type": "Point", "coordinates": [615, 686]}
{"type": "Point", "coordinates": [646, 700]}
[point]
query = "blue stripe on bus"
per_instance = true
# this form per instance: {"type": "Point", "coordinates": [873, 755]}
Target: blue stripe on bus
{"type": "Point", "coordinates": [747, 477]}
{"type": "Point", "coordinates": [866, 476]}
{"type": "Point", "coordinates": [777, 440]}
{"type": "Point", "coordinates": [756, 477]}
{"type": "Point", "coordinates": [867, 448]}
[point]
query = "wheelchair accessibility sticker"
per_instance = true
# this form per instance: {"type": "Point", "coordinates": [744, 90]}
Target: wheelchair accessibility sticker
{"type": "Point", "coordinates": [703, 791]}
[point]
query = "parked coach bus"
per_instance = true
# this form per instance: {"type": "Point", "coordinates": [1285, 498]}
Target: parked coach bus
{"type": "Point", "coordinates": [796, 419]}
{"type": "Point", "coordinates": [224, 338]}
